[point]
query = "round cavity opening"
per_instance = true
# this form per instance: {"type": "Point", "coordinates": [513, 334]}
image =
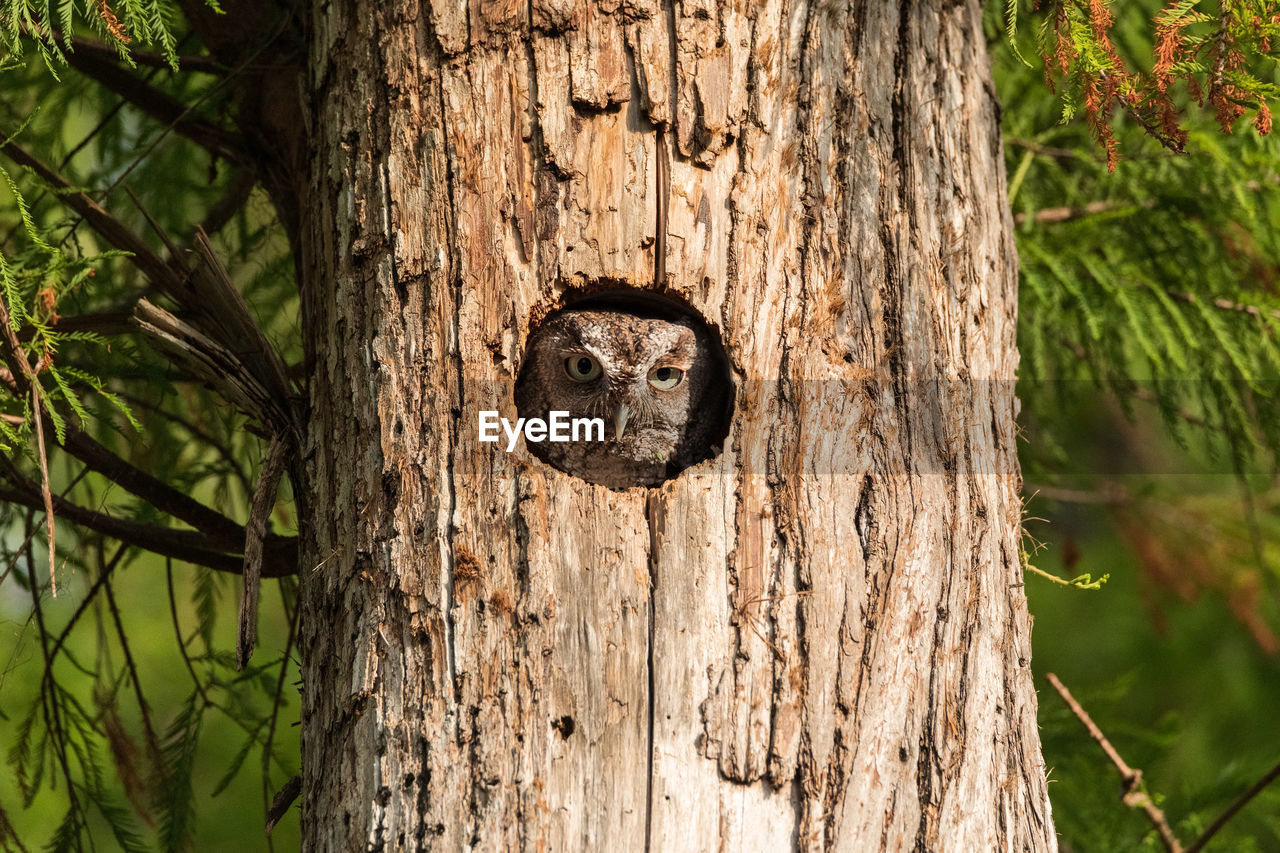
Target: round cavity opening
{"type": "Point", "coordinates": [630, 388]}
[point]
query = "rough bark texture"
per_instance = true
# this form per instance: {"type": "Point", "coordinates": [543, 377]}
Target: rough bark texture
{"type": "Point", "coordinates": [817, 640]}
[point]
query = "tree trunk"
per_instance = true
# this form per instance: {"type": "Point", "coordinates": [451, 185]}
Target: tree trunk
{"type": "Point", "coordinates": [817, 639]}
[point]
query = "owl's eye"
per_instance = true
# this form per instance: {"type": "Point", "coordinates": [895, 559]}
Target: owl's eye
{"type": "Point", "coordinates": [581, 368]}
{"type": "Point", "coordinates": [666, 378]}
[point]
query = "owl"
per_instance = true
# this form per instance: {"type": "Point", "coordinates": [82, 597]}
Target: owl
{"type": "Point", "coordinates": [660, 385]}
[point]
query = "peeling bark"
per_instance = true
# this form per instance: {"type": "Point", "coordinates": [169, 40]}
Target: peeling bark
{"type": "Point", "coordinates": [816, 640]}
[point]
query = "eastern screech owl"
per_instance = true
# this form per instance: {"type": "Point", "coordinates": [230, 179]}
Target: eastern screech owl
{"type": "Point", "coordinates": [656, 383]}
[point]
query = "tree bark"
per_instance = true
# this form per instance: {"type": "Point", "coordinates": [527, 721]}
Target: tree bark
{"type": "Point", "coordinates": [816, 640]}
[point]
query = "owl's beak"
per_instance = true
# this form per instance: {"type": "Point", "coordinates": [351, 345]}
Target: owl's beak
{"type": "Point", "coordinates": [620, 420]}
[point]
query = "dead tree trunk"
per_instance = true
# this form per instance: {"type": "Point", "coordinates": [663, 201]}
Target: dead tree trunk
{"type": "Point", "coordinates": [817, 639]}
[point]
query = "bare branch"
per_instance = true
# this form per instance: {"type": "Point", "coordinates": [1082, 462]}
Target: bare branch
{"type": "Point", "coordinates": [207, 360]}
{"type": "Point", "coordinates": [1241, 801]}
{"type": "Point", "coordinates": [238, 192]}
{"type": "Point", "coordinates": [37, 404]}
{"type": "Point", "coordinates": [168, 111]}
{"type": "Point", "coordinates": [191, 546]}
{"type": "Point", "coordinates": [149, 58]}
{"type": "Point", "coordinates": [1134, 795]}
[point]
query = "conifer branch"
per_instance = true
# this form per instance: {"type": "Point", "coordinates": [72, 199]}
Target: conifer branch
{"type": "Point", "coordinates": [132, 479]}
{"type": "Point", "coordinates": [24, 379]}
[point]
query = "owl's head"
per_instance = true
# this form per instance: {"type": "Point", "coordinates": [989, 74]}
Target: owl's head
{"type": "Point", "coordinates": [642, 375]}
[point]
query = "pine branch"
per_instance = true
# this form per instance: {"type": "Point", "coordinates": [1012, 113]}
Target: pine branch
{"type": "Point", "coordinates": [132, 479]}
{"type": "Point", "coordinates": [207, 291]}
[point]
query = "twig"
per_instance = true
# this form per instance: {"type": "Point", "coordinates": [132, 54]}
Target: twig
{"type": "Point", "coordinates": [1228, 305]}
{"type": "Point", "coordinates": [1056, 215]}
{"type": "Point", "coordinates": [275, 713]}
{"type": "Point", "coordinates": [1134, 795]}
{"type": "Point", "coordinates": [24, 377]}
{"type": "Point", "coordinates": [284, 799]}
{"type": "Point", "coordinates": [49, 699]}
{"type": "Point", "coordinates": [1241, 801]}
{"type": "Point", "coordinates": [223, 451]}
{"type": "Point", "coordinates": [46, 494]}
{"type": "Point", "coordinates": [18, 553]}
{"type": "Point", "coordinates": [153, 743]}
{"type": "Point", "coordinates": [103, 577]}
{"type": "Point", "coordinates": [177, 633]}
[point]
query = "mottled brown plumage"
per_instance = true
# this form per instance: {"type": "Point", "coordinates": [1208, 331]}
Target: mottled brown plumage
{"type": "Point", "coordinates": [620, 366]}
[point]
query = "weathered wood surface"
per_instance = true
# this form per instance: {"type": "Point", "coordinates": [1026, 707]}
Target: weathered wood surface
{"type": "Point", "coordinates": [817, 640]}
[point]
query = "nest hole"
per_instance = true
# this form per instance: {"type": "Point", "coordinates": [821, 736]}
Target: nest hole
{"type": "Point", "coordinates": [624, 388]}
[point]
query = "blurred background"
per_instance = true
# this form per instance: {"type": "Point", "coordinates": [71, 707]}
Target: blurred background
{"type": "Point", "coordinates": [1148, 328]}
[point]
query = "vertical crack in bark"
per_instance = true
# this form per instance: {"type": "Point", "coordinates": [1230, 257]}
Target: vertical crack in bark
{"type": "Point", "coordinates": [653, 516]}
{"type": "Point", "coordinates": [453, 277]}
{"type": "Point", "coordinates": [669, 6]}
{"type": "Point", "coordinates": [537, 141]}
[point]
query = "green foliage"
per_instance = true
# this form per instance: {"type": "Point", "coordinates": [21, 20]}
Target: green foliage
{"type": "Point", "coordinates": [120, 23]}
{"type": "Point", "coordinates": [1221, 55]}
{"type": "Point", "coordinates": [131, 728]}
{"type": "Point", "coordinates": [1156, 282]}
{"type": "Point", "coordinates": [1148, 294]}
